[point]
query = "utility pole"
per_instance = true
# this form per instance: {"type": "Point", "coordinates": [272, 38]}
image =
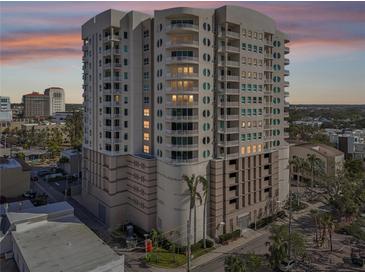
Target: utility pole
{"type": "Point", "coordinates": [189, 248]}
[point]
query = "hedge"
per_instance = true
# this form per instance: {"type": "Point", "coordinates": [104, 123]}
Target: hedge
{"type": "Point", "coordinates": [230, 236]}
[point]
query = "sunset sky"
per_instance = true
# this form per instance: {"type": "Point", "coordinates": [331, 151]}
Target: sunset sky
{"type": "Point", "coordinates": [40, 45]}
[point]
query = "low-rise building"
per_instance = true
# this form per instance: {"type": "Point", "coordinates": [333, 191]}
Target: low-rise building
{"type": "Point", "coordinates": [70, 161]}
{"type": "Point", "coordinates": [60, 117]}
{"type": "Point", "coordinates": [5, 111]}
{"type": "Point", "coordinates": [50, 238]}
{"type": "Point", "coordinates": [14, 177]}
{"type": "Point", "coordinates": [332, 158]}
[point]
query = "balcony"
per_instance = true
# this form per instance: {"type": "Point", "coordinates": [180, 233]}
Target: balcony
{"type": "Point", "coordinates": [177, 76]}
{"type": "Point", "coordinates": [107, 52]}
{"type": "Point", "coordinates": [116, 51]}
{"type": "Point", "coordinates": [232, 34]}
{"type": "Point", "coordinates": [107, 65]}
{"type": "Point", "coordinates": [182, 118]}
{"type": "Point", "coordinates": [286, 93]}
{"type": "Point", "coordinates": [286, 61]}
{"type": "Point", "coordinates": [179, 90]}
{"type": "Point", "coordinates": [174, 44]}
{"type": "Point", "coordinates": [268, 81]}
{"type": "Point", "coordinates": [181, 105]}
{"type": "Point", "coordinates": [268, 55]}
{"type": "Point", "coordinates": [232, 63]}
{"type": "Point", "coordinates": [230, 78]}
{"type": "Point", "coordinates": [181, 132]}
{"type": "Point", "coordinates": [286, 72]}
{"type": "Point", "coordinates": [182, 147]}
{"type": "Point", "coordinates": [286, 50]}
{"type": "Point", "coordinates": [229, 117]}
{"type": "Point", "coordinates": [112, 37]}
{"type": "Point", "coordinates": [194, 160]}
{"type": "Point", "coordinates": [182, 59]}
{"type": "Point", "coordinates": [286, 114]}
{"type": "Point", "coordinates": [182, 26]}
{"type": "Point", "coordinates": [85, 48]}
{"type": "Point", "coordinates": [229, 130]}
{"type": "Point", "coordinates": [268, 68]}
{"type": "Point", "coordinates": [228, 143]}
{"type": "Point", "coordinates": [268, 42]}
{"type": "Point", "coordinates": [229, 104]}
{"type": "Point", "coordinates": [286, 84]}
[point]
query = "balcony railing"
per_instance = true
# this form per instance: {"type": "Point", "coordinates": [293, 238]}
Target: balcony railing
{"type": "Point", "coordinates": [286, 50]}
{"type": "Point", "coordinates": [182, 26]}
{"type": "Point", "coordinates": [170, 44]}
{"type": "Point", "coordinates": [286, 61]}
{"type": "Point", "coordinates": [229, 117]}
{"type": "Point", "coordinates": [182, 118]}
{"type": "Point", "coordinates": [233, 34]}
{"type": "Point", "coordinates": [229, 130]}
{"type": "Point", "coordinates": [111, 37]}
{"type": "Point", "coordinates": [286, 93]}
{"type": "Point", "coordinates": [229, 143]}
{"type": "Point", "coordinates": [286, 84]}
{"type": "Point", "coordinates": [286, 72]}
{"type": "Point", "coordinates": [179, 59]}
{"type": "Point", "coordinates": [183, 147]}
{"type": "Point", "coordinates": [186, 90]}
{"type": "Point", "coordinates": [182, 75]}
{"type": "Point", "coordinates": [181, 132]}
{"type": "Point", "coordinates": [228, 104]}
{"type": "Point", "coordinates": [186, 105]}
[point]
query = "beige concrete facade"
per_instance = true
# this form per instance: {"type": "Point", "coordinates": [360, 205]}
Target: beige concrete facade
{"type": "Point", "coordinates": [208, 98]}
{"type": "Point", "coordinates": [331, 158]}
{"type": "Point", "coordinates": [14, 178]}
{"type": "Point", "coordinates": [56, 99]}
{"type": "Point", "coordinates": [36, 105]}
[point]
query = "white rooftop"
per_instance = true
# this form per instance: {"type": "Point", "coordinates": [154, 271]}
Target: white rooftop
{"type": "Point", "coordinates": [10, 163]}
{"type": "Point", "coordinates": [50, 238]}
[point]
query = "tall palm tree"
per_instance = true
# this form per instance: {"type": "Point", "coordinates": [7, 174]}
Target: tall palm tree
{"type": "Point", "coordinates": [205, 185]}
{"type": "Point", "coordinates": [192, 184]}
{"type": "Point", "coordinates": [315, 166]}
{"type": "Point", "coordinates": [299, 165]}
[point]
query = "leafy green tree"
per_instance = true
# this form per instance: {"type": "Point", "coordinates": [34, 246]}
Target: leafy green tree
{"type": "Point", "coordinates": [280, 243]}
{"type": "Point", "coordinates": [242, 263]}
{"type": "Point", "coordinates": [74, 129]}
{"type": "Point", "coordinates": [299, 165]}
{"type": "Point", "coordinates": [55, 140]}
{"type": "Point", "coordinates": [354, 169]}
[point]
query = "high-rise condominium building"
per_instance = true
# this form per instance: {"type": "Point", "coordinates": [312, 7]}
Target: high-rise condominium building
{"type": "Point", "coordinates": [189, 91]}
{"type": "Point", "coordinates": [56, 99]}
{"type": "Point", "coordinates": [36, 105]}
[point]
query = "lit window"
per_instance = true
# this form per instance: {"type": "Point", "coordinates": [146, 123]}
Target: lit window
{"type": "Point", "coordinates": [146, 136]}
{"type": "Point", "coordinates": [248, 149]}
{"type": "Point", "coordinates": [254, 148]}
{"type": "Point", "coordinates": [146, 149]}
{"type": "Point", "coordinates": [146, 112]}
{"type": "Point", "coordinates": [146, 124]}
{"type": "Point", "coordinates": [259, 148]}
{"type": "Point", "coordinates": [243, 150]}
{"type": "Point", "coordinates": [116, 98]}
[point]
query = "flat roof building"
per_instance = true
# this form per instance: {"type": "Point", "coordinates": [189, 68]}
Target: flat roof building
{"type": "Point", "coordinates": [50, 238]}
{"type": "Point", "coordinates": [36, 105]}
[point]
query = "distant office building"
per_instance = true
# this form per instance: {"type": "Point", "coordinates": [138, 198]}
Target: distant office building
{"type": "Point", "coordinates": [17, 110]}
{"type": "Point", "coordinates": [332, 158]}
{"type": "Point", "coordinates": [5, 110]}
{"type": "Point", "coordinates": [56, 99]}
{"type": "Point", "coordinates": [353, 146]}
{"type": "Point", "coordinates": [36, 105]}
{"type": "Point", "coordinates": [14, 177]}
{"type": "Point", "coordinates": [51, 238]}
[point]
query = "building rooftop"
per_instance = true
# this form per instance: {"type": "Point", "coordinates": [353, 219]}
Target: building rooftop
{"type": "Point", "coordinates": [51, 238]}
{"type": "Point", "coordinates": [323, 149]}
{"type": "Point", "coordinates": [6, 163]}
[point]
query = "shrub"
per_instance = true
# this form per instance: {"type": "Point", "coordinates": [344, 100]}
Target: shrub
{"type": "Point", "coordinates": [230, 236]}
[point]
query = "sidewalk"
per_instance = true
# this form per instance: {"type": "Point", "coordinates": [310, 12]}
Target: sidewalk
{"type": "Point", "coordinates": [248, 236]}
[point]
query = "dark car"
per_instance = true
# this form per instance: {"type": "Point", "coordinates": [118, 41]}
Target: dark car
{"type": "Point", "coordinates": [30, 194]}
{"type": "Point", "coordinates": [286, 265]}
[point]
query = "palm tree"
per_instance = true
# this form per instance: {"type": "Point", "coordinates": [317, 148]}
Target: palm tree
{"type": "Point", "coordinates": [315, 166]}
{"type": "Point", "coordinates": [299, 165]}
{"type": "Point", "coordinates": [192, 184]}
{"type": "Point", "coordinates": [74, 129]}
{"type": "Point", "coordinates": [205, 185]}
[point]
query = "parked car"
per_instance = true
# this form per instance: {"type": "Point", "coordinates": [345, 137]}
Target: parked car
{"type": "Point", "coordinates": [43, 173]}
{"type": "Point", "coordinates": [30, 194]}
{"type": "Point", "coordinates": [286, 265]}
